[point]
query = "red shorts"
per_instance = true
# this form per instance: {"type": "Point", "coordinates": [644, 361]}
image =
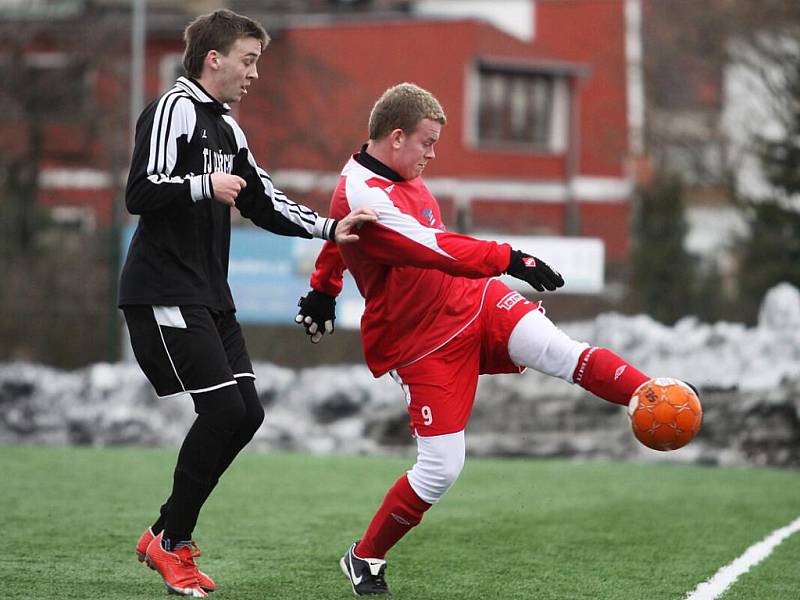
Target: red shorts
{"type": "Point", "coordinates": [440, 387]}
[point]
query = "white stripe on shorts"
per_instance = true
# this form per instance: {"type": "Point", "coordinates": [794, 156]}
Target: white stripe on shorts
{"type": "Point", "coordinates": [163, 341]}
{"type": "Point", "coordinates": [169, 316]}
{"type": "Point", "coordinates": [200, 391]}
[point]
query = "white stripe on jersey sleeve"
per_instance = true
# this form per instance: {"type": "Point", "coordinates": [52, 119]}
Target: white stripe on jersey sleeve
{"type": "Point", "coordinates": [200, 187]}
{"type": "Point", "coordinates": [291, 211]}
{"type": "Point", "coordinates": [360, 194]}
{"type": "Point", "coordinates": [173, 118]}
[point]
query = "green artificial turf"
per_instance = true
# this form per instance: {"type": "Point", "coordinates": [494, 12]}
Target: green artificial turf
{"type": "Point", "coordinates": [277, 524]}
{"type": "Point", "coordinates": [776, 578]}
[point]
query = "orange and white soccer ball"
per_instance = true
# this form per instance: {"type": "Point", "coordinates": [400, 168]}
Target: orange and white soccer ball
{"type": "Point", "coordinates": [665, 414]}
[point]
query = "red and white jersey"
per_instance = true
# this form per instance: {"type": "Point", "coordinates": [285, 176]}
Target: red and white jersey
{"type": "Point", "coordinates": [422, 284]}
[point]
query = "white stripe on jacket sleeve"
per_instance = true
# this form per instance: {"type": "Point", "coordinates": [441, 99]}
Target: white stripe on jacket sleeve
{"type": "Point", "coordinates": [174, 117]}
{"type": "Point", "coordinates": [293, 212]}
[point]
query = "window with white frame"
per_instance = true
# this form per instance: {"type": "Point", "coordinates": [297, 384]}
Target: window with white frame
{"type": "Point", "coordinates": [520, 108]}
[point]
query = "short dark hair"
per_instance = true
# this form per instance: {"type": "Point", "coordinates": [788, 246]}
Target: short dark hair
{"type": "Point", "coordinates": [218, 31]}
{"type": "Point", "coordinates": [403, 106]}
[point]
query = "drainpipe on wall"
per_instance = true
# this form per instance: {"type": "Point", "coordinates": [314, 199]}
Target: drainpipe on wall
{"type": "Point", "coordinates": [573, 217]}
{"type": "Point", "coordinates": [118, 344]}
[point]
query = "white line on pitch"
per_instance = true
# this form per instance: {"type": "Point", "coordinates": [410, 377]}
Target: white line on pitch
{"type": "Point", "coordinates": [722, 579]}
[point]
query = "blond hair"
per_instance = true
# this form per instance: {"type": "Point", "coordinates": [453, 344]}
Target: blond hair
{"type": "Point", "coordinates": [403, 106]}
{"type": "Point", "coordinates": [218, 31]}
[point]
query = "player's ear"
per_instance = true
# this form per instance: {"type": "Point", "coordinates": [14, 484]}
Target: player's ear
{"type": "Point", "coordinates": [212, 59]}
{"type": "Point", "coordinates": [396, 137]}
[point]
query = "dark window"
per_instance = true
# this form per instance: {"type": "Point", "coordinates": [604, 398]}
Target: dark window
{"type": "Point", "coordinates": [515, 108]}
{"type": "Point", "coordinates": [55, 84]}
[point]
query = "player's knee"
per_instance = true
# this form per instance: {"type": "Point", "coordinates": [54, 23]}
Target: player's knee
{"type": "Point", "coordinates": [229, 418]}
{"type": "Point", "coordinates": [450, 473]}
{"type": "Point", "coordinates": [431, 478]}
{"type": "Point", "coordinates": [254, 413]}
{"type": "Point", "coordinates": [222, 410]}
{"type": "Point", "coordinates": [436, 480]}
{"type": "Point", "coordinates": [254, 417]}
{"type": "Point", "coordinates": [251, 421]}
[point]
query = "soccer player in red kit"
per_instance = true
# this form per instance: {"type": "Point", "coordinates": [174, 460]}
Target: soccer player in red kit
{"type": "Point", "coordinates": [436, 316]}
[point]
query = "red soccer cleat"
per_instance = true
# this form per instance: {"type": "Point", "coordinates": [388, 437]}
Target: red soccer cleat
{"type": "Point", "coordinates": [141, 551]}
{"type": "Point", "coordinates": [143, 543]}
{"type": "Point", "coordinates": [178, 569]}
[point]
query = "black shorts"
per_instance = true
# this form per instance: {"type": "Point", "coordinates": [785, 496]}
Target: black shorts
{"type": "Point", "coordinates": [187, 349]}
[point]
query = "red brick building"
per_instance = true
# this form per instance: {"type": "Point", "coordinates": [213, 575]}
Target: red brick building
{"type": "Point", "coordinates": [543, 115]}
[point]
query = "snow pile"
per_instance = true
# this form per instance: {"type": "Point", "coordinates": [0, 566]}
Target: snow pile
{"type": "Point", "coordinates": [748, 377]}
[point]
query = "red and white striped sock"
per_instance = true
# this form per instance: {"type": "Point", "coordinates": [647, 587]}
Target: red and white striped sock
{"type": "Point", "coordinates": [400, 511]}
{"type": "Point", "coordinates": [607, 375]}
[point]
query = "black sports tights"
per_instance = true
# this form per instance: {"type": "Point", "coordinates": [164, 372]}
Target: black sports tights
{"type": "Point", "coordinates": [227, 419]}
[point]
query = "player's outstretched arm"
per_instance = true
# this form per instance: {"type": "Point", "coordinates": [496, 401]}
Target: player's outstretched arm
{"type": "Point", "coordinates": [534, 271]}
{"type": "Point", "coordinates": [346, 228]}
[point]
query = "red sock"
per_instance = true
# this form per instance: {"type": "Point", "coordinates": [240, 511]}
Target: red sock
{"type": "Point", "coordinates": [401, 510]}
{"type": "Point", "coordinates": [607, 375]}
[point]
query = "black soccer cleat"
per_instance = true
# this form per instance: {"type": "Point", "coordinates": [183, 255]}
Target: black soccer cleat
{"type": "Point", "coordinates": [365, 574]}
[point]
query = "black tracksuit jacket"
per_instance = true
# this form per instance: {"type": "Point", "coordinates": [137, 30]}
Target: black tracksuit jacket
{"type": "Point", "coordinates": [179, 252]}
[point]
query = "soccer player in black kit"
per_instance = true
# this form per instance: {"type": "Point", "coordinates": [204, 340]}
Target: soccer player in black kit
{"type": "Point", "coordinates": [191, 165]}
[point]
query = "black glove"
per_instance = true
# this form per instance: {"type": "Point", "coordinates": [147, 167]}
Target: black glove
{"type": "Point", "coordinates": [534, 270]}
{"type": "Point", "coordinates": [317, 314]}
